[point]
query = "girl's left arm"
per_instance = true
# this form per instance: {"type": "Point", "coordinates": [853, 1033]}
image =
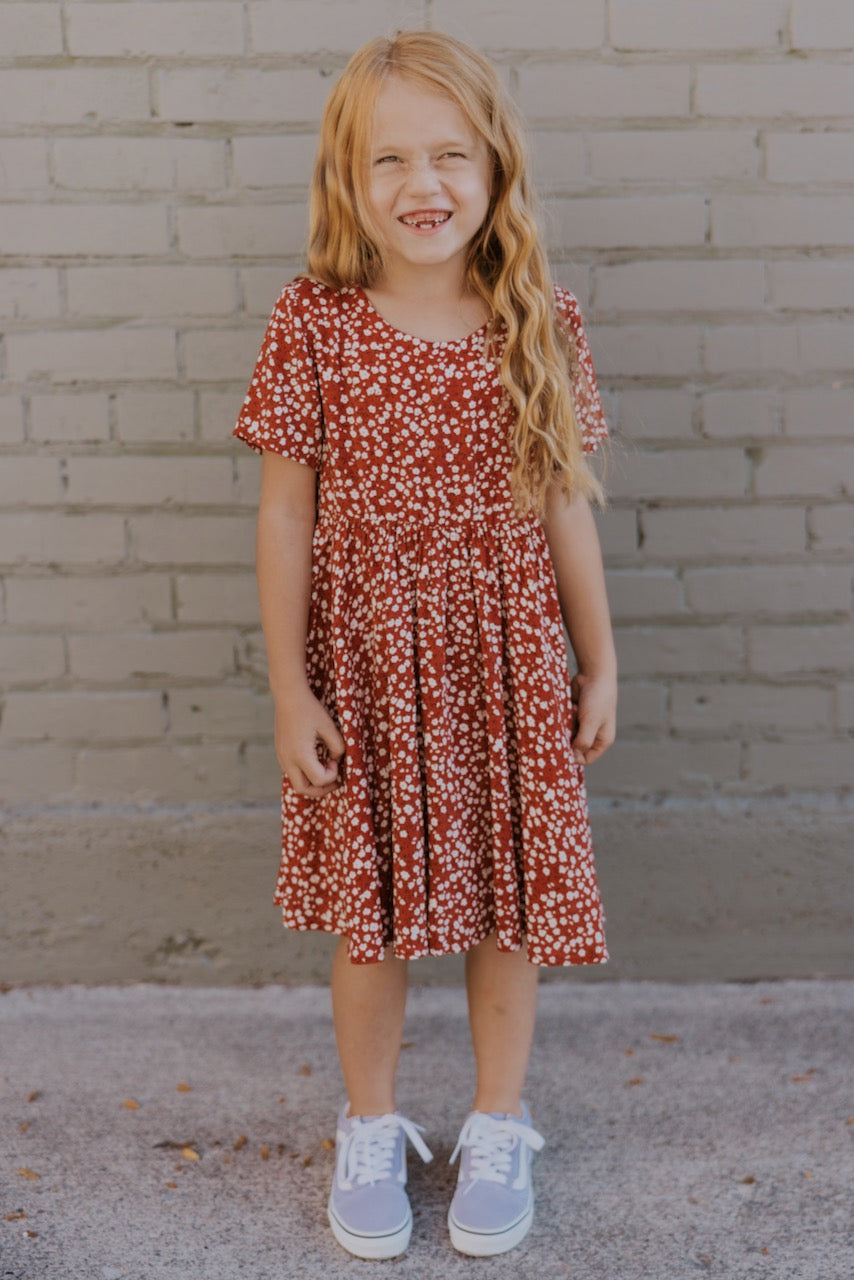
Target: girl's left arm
{"type": "Point", "coordinates": [577, 558]}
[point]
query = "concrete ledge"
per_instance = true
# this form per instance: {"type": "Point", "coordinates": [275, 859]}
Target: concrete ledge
{"type": "Point", "coordinates": [693, 892]}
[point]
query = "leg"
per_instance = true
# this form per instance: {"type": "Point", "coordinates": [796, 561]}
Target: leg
{"type": "Point", "coordinates": [368, 1007]}
{"type": "Point", "coordinates": [502, 1000]}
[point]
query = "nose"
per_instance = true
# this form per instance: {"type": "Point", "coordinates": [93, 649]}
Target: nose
{"type": "Point", "coordinates": [423, 179]}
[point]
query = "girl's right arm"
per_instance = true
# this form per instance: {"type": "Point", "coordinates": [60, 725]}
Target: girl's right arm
{"type": "Point", "coordinates": [286, 516]}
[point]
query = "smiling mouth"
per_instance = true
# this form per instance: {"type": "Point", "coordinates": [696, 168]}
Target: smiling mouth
{"type": "Point", "coordinates": [426, 218]}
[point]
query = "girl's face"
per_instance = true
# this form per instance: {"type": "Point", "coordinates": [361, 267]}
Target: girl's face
{"type": "Point", "coordinates": [429, 180]}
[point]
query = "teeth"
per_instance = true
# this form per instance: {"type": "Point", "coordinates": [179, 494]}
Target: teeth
{"type": "Point", "coordinates": [426, 222]}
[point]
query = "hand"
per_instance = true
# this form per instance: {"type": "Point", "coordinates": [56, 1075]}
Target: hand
{"type": "Point", "coordinates": [308, 743]}
{"type": "Point", "coordinates": [595, 699]}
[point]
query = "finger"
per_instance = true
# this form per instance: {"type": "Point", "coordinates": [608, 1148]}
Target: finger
{"type": "Point", "coordinates": [332, 739]}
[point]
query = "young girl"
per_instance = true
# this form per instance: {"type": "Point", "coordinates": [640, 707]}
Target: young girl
{"type": "Point", "coordinates": [424, 398]}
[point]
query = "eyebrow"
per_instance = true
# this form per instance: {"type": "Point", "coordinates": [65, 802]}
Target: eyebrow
{"type": "Point", "coordinates": [454, 144]}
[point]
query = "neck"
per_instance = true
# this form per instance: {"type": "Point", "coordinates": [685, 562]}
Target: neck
{"type": "Point", "coordinates": [436, 286]}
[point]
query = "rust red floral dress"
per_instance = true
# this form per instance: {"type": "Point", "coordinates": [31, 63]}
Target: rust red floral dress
{"type": "Point", "coordinates": [435, 641]}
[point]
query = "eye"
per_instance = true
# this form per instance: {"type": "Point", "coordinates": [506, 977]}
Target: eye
{"type": "Point", "coordinates": [453, 155]}
{"type": "Point", "coordinates": [389, 159]}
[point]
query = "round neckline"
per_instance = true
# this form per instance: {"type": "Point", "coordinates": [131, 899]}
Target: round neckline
{"type": "Point", "coordinates": [414, 337]}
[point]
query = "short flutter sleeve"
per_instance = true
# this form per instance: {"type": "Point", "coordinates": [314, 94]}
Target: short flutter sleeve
{"type": "Point", "coordinates": [587, 400]}
{"type": "Point", "coordinates": [282, 411]}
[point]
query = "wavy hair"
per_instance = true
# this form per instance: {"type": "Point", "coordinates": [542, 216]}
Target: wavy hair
{"type": "Point", "coordinates": [506, 265]}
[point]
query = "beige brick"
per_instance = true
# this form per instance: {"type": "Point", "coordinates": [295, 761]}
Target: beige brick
{"type": "Point", "coordinates": [684, 156]}
{"type": "Point", "coordinates": [575, 276]}
{"type": "Point", "coordinates": [147, 655]}
{"type": "Point", "coordinates": [673, 24]}
{"type": "Point", "coordinates": [144, 482]}
{"type": "Point", "coordinates": [26, 481]}
{"type": "Point", "coordinates": [641, 706]}
{"type": "Point", "coordinates": [218, 412]}
{"type": "Point", "coordinates": [99, 355]}
{"type": "Point", "coordinates": [769, 589]}
{"type": "Point", "coordinates": [134, 29]}
{"type": "Point", "coordinates": [185, 540]}
{"type": "Point", "coordinates": [80, 418]}
{"type": "Point", "coordinates": [203, 95]}
{"type": "Point", "coordinates": [679, 286]}
{"type": "Point", "coordinates": [219, 355]}
{"type": "Point", "coordinates": [558, 160]}
{"type": "Point", "coordinates": [822, 24]}
{"type": "Point", "coordinates": [729, 708]}
{"type": "Point", "coordinates": [252, 658]}
{"type": "Point", "coordinates": [89, 603]}
{"type": "Point", "coordinates": [261, 286]}
{"type": "Point", "coordinates": [818, 411]}
{"type": "Point", "coordinates": [820, 765]}
{"type": "Point", "coordinates": [11, 419]}
{"type": "Point", "coordinates": [548, 91]}
{"type": "Point", "coordinates": [650, 350]}
{"type": "Point", "coordinates": [30, 30]}
{"type": "Point", "coordinates": [30, 659]}
{"type": "Point", "coordinates": [741, 414]}
{"type": "Point", "coordinates": [242, 231]}
{"type": "Point", "coordinates": [742, 348]}
{"type": "Point", "coordinates": [220, 713]}
{"type": "Point", "coordinates": [827, 346]}
{"type": "Point", "coordinates": [305, 26]}
{"type": "Point", "coordinates": [833, 528]}
{"type": "Point", "coordinates": [273, 160]}
{"type": "Point", "coordinates": [680, 650]}
{"type": "Point", "coordinates": [543, 24]}
{"type": "Point", "coordinates": [162, 774]}
{"type": "Point", "coordinates": [823, 473]}
{"type": "Point", "coordinates": [845, 695]}
{"type": "Point", "coordinates": [41, 538]}
{"type": "Point", "coordinates": [82, 717]}
{"type": "Point", "coordinates": [618, 533]}
{"type": "Point", "coordinates": [674, 474]}
{"type": "Point", "coordinates": [773, 90]}
{"type": "Point", "coordinates": [809, 157]}
{"type": "Point", "coordinates": [138, 164]}
{"type": "Point", "coordinates": [30, 293]}
{"type": "Point", "coordinates": [41, 775]}
{"type": "Point", "coordinates": [91, 229]}
{"type": "Point", "coordinates": [217, 598]}
{"type": "Point", "coordinates": [639, 594]}
{"type": "Point", "coordinates": [802, 650]}
{"type": "Point", "coordinates": [155, 416]}
{"type": "Point", "coordinates": [85, 95]}
{"type": "Point", "coordinates": [23, 162]}
{"type": "Point", "coordinates": [652, 413]}
{"type": "Point", "coordinates": [263, 781]}
{"type": "Point", "coordinates": [626, 221]}
{"type": "Point", "coordinates": [782, 221]}
{"type": "Point", "coordinates": [729, 533]}
{"type": "Point", "coordinates": [824, 285]}
{"type": "Point", "coordinates": [247, 482]}
{"type": "Point", "coordinates": [640, 768]}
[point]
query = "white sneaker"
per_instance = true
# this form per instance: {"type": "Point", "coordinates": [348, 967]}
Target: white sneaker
{"type": "Point", "coordinates": [493, 1205]}
{"type": "Point", "coordinates": [368, 1206]}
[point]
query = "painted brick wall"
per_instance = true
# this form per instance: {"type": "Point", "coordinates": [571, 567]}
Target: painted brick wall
{"type": "Point", "coordinates": [698, 164]}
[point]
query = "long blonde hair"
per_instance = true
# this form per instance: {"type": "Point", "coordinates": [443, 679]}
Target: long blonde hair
{"type": "Point", "coordinates": [506, 264]}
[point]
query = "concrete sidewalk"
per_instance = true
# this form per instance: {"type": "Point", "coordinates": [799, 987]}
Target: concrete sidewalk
{"type": "Point", "coordinates": [701, 1130]}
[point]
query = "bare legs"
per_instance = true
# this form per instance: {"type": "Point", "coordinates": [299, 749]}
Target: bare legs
{"type": "Point", "coordinates": [502, 997]}
{"type": "Point", "coordinates": [368, 1005]}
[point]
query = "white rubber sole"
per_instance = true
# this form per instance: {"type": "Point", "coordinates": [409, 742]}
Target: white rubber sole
{"type": "Point", "coordinates": [370, 1246]}
{"type": "Point", "coordinates": [484, 1244]}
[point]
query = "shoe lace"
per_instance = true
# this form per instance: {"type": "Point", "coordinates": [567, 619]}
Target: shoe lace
{"type": "Point", "coordinates": [367, 1152]}
{"type": "Point", "coordinates": [491, 1144]}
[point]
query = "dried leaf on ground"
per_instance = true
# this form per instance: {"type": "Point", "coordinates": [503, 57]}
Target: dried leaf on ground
{"type": "Point", "coordinates": [662, 1039]}
{"type": "Point", "coordinates": [29, 1174]}
{"type": "Point", "coordinates": [14, 1217]}
{"type": "Point", "coordinates": [305, 1069]}
{"type": "Point", "coordinates": [172, 1185]}
{"type": "Point", "coordinates": [749, 1180]}
{"type": "Point", "coordinates": [634, 1080]}
{"type": "Point", "coordinates": [34, 1096]}
{"type": "Point", "coordinates": [24, 1126]}
{"type": "Point", "coordinates": [131, 1104]}
{"type": "Point", "coordinates": [183, 1087]}
{"type": "Point", "coordinates": [240, 1142]}
{"type": "Point", "coordinates": [327, 1144]}
{"type": "Point", "coordinates": [189, 1154]}
{"type": "Point", "coordinates": [175, 1146]}
{"type": "Point", "coordinates": [265, 1152]}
